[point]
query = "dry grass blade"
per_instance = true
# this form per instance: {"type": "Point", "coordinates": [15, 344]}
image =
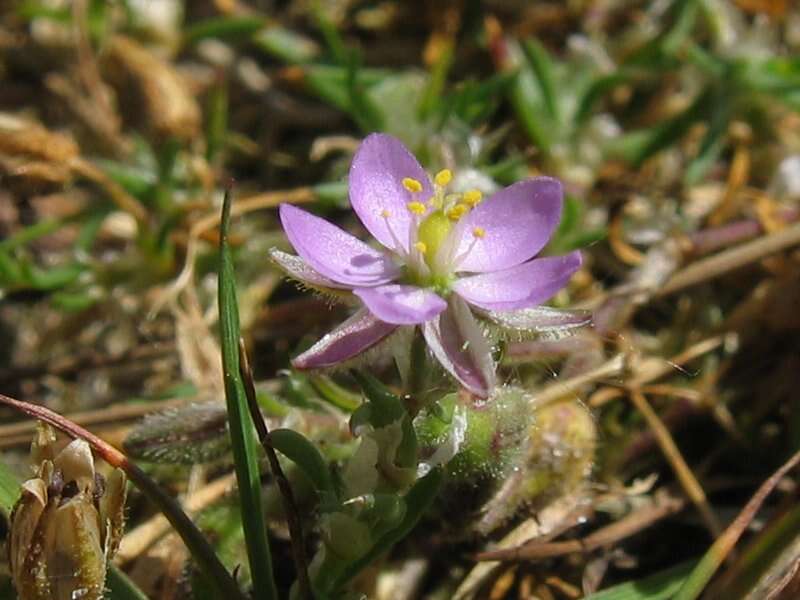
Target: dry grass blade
{"type": "Point", "coordinates": [715, 555]}
{"type": "Point", "coordinates": [673, 455]}
{"type": "Point", "coordinates": [664, 505]}
{"type": "Point", "coordinates": [729, 260]}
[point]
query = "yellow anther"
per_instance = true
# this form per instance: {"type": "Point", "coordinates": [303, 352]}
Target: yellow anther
{"type": "Point", "coordinates": [443, 177]}
{"type": "Point", "coordinates": [418, 208]}
{"type": "Point", "coordinates": [421, 247]}
{"type": "Point", "coordinates": [472, 197]}
{"type": "Point", "coordinates": [412, 185]}
{"type": "Point", "coordinates": [479, 232]}
{"type": "Point", "coordinates": [385, 214]}
{"type": "Point", "coordinates": [458, 211]}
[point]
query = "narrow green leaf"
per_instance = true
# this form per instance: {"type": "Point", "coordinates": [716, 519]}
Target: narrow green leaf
{"type": "Point", "coordinates": [525, 95]}
{"type": "Point", "coordinates": [120, 587]}
{"type": "Point", "coordinates": [661, 586]}
{"type": "Point", "coordinates": [767, 559]}
{"type": "Point", "coordinates": [30, 233]}
{"type": "Point", "coordinates": [53, 278]}
{"type": "Point", "coordinates": [9, 489]}
{"type": "Point", "coordinates": [230, 28]}
{"type": "Point", "coordinates": [596, 90]}
{"type": "Point", "coordinates": [542, 66]}
{"type": "Point", "coordinates": [712, 144]}
{"type": "Point", "coordinates": [243, 440]}
{"type": "Point", "coordinates": [362, 108]}
{"type": "Point", "coordinates": [286, 45]}
{"type": "Point", "coordinates": [638, 146]}
{"type": "Point", "coordinates": [437, 79]}
{"type": "Point", "coordinates": [330, 82]}
{"type": "Point", "coordinates": [331, 391]}
{"type": "Point", "coordinates": [305, 455]}
{"type": "Point", "coordinates": [386, 408]}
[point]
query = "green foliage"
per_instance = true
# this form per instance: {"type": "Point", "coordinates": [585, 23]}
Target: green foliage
{"type": "Point", "coordinates": [243, 441]}
{"type": "Point", "coordinates": [661, 586]}
{"type": "Point", "coordinates": [9, 489]}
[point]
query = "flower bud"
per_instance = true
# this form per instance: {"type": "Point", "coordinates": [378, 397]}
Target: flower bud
{"type": "Point", "coordinates": [558, 461]}
{"type": "Point", "coordinates": [66, 525]}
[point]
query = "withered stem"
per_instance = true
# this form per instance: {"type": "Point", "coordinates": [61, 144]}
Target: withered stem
{"type": "Point", "coordinates": [289, 505]}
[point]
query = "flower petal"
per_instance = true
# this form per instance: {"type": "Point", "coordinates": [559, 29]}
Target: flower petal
{"type": "Point", "coordinates": [517, 222]}
{"type": "Point", "coordinates": [540, 319]}
{"type": "Point", "coordinates": [401, 304]}
{"type": "Point", "coordinates": [356, 335]}
{"type": "Point", "coordinates": [523, 286]}
{"type": "Point", "coordinates": [458, 343]}
{"type": "Point", "coordinates": [296, 268]}
{"type": "Point", "coordinates": [333, 252]}
{"type": "Point", "coordinates": [376, 185]}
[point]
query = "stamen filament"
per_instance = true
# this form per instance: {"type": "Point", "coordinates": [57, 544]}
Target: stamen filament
{"type": "Point", "coordinates": [386, 216]}
{"type": "Point", "coordinates": [478, 233]}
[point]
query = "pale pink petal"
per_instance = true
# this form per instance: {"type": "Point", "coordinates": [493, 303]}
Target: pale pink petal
{"type": "Point", "coordinates": [333, 252]}
{"type": "Point", "coordinates": [523, 286]}
{"type": "Point", "coordinates": [401, 304]}
{"type": "Point", "coordinates": [376, 189]}
{"type": "Point", "coordinates": [458, 343]}
{"type": "Point", "coordinates": [356, 335]}
{"type": "Point", "coordinates": [516, 223]}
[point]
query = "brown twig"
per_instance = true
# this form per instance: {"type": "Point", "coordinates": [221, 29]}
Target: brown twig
{"type": "Point", "coordinates": [289, 504]}
{"type": "Point", "coordinates": [665, 505]}
{"type": "Point", "coordinates": [729, 260]}
{"type": "Point", "coordinates": [673, 455]}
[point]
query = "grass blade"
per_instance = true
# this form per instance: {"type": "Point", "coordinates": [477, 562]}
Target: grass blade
{"type": "Point", "coordinates": [243, 441]}
{"type": "Point", "coordinates": [713, 558]}
{"type": "Point", "coordinates": [120, 587]}
{"type": "Point", "coordinates": [9, 489]}
{"type": "Point", "coordinates": [661, 586]}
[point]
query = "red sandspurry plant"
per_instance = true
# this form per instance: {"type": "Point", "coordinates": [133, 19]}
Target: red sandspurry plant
{"type": "Point", "coordinates": [449, 262]}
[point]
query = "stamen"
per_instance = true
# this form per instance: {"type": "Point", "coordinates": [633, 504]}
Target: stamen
{"type": "Point", "coordinates": [418, 208]}
{"type": "Point", "coordinates": [472, 197]}
{"type": "Point", "coordinates": [443, 177]}
{"type": "Point", "coordinates": [386, 216]}
{"type": "Point", "coordinates": [478, 233]}
{"type": "Point", "coordinates": [458, 211]}
{"type": "Point", "coordinates": [412, 185]}
{"type": "Point", "coordinates": [421, 247]}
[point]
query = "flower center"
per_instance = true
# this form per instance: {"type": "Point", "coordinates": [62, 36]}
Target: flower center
{"type": "Point", "coordinates": [433, 244]}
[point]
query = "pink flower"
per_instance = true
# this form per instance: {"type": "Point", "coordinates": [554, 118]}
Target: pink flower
{"type": "Point", "coordinates": [448, 259]}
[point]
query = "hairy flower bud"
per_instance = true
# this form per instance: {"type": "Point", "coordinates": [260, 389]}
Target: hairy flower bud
{"type": "Point", "coordinates": [66, 525]}
{"type": "Point", "coordinates": [557, 463]}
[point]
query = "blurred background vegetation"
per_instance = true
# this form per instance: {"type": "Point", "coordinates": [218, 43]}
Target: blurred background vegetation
{"type": "Point", "coordinates": [675, 127]}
